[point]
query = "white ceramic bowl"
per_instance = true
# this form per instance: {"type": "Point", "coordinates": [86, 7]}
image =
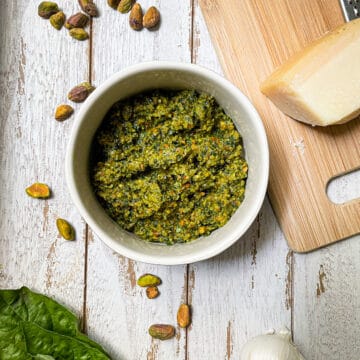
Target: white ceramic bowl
{"type": "Point", "coordinates": [136, 79]}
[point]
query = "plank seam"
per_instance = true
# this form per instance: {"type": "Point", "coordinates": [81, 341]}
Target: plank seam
{"type": "Point", "coordinates": [84, 312]}
{"type": "Point", "coordinates": [187, 302]}
{"type": "Point", "coordinates": [90, 50]}
{"type": "Point", "coordinates": [292, 270]}
{"type": "Point", "coordinates": [192, 32]}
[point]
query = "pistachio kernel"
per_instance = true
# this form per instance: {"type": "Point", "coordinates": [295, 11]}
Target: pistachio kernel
{"type": "Point", "coordinates": [78, 20]}
{"type": "Point", "coordinates": [136, 17]}
{"type": "Point", "coordinates": [183, 316]}
{"type": "Point", "coordinates": [80, 92]}
{"type": "Point", "coordinates": [65, 229]}
{"type": "Point", "coordinates": [152, 292]}
{"type": "Point", "coordinates": [151, 18]}
{"type": "Point", "coordinates": [63, 112]}
{"type": "Point", "coordinates": [125, 6]}
{"type": "Point", "coordinates": [148, 280]}
{"type": "Point", "coordinates": [38, 191]}
{"type": "Point", "coordinates": [162, 331]}
{"type": "Point", "coordinates": [47, 8]}
{"type": "Point", "coordinates": [79, 34]}
{"type": "Point", "coordinates": [57, 20]}
{"type": "Point", "coordinates": [113, 3]}
{"type": "Point", "coordinates": [89, 7]}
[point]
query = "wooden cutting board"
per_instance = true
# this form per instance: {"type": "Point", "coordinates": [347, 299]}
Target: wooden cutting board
{"type": "Point", "coordinates": [253, 37]}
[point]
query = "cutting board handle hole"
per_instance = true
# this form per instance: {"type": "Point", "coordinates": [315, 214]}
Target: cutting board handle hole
{"type": "Point", "coordinates": [344, 188]}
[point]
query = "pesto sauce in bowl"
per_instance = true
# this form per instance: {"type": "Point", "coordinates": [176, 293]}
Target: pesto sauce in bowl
{"type": "Point", "coordinates": [168, 165]}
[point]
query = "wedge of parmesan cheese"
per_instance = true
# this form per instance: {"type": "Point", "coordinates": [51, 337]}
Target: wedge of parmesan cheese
{"type": "Point", "coordinates": [321, 84]}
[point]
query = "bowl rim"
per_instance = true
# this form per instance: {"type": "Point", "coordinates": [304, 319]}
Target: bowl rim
{"type": "Point", "coordinates": [206, 253]}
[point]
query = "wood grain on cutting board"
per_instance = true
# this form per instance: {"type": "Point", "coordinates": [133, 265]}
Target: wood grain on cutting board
{"type": "Point", "coordinates": [252, 38]}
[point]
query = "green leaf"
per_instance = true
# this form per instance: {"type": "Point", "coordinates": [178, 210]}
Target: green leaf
{"type": "Point", "coordinates": [33, 326]}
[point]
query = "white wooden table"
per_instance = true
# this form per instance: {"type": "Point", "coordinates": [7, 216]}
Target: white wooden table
{"type": "Point", "coordinates": [256, 285]}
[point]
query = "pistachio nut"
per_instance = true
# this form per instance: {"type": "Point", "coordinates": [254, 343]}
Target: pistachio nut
{"type": "Point", "coordinates": [113, 3]}
{"type": "Point", "coordinates": [38, 191]}
{"type": "Point", "coordinates": [136, 17]}
{"type": "Point", "coordinates": [148, 280]}
{"type": "Point", "coordinates": [89, 7]}
{"type": "Point", "coordinates": [152, 292]}
{"type": "Point", "coordinates": [78, 20]}
{"type": "Point", "coordinates": [65, 229]}
{"type": "Point", "coordinates": [125, 6]}
{"type": "Point", "coordinates": [57, 20]}
{"type": "Point", "coordinates": [162, 331]}
{"type": "Point", "coordinates": [151, 18]}
{"type": "Point", "coordinates": [63, 112]}
{"type": "Point", "coordinates": [79, 34]}
{"type": "Point", "coordinates": [80, 92]}
{"type": "Point", "coordinates": [47, 8]}
{"type": "Point", "coordinates": [183, 316]}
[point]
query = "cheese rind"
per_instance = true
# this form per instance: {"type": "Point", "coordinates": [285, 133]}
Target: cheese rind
{"type": "Point", "coordinates": [321, 84]}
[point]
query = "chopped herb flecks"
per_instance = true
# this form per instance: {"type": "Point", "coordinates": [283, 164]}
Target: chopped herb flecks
{"type": "Point", "coordinates": [169, 165]}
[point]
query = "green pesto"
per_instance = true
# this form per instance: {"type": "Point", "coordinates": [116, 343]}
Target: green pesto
{"type": "Point", "coordinates": [169, 165]}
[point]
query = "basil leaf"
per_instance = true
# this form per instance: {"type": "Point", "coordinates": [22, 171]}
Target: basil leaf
{"type": "Point", "coordinates": [33, 326]}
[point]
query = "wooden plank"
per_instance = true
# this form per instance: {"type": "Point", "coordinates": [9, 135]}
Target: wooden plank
{"type": "Point", "coordinates": [38, 66]}
{"type": "Point", "coordinates": [118, 312]}
{"type": "Point", "coordinates": [252, 37]}
{"type": "Point", "coordinates": [246, 290]}
{"type": "Point", "coordinates": [326, 289]}
{"type": "Point", "coordinates": [234, 296]}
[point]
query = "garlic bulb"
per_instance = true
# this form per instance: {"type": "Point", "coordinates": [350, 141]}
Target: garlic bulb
{"type": "Point", "coordinates": [271, 346]}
